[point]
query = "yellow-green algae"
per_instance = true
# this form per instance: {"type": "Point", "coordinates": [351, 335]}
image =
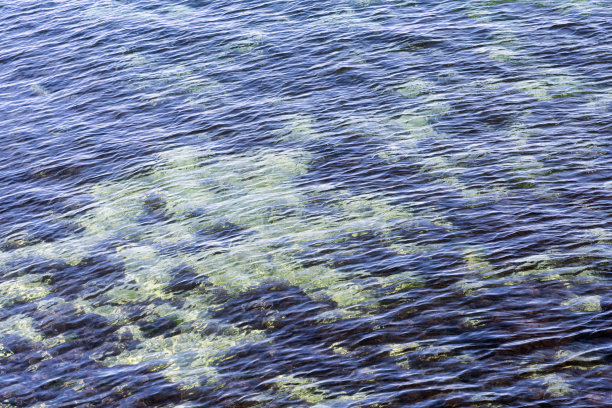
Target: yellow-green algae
{"type": "Point", "coordinates": [155, 81]}
{"type": "Point", "coordinates": [185, 357]}
{"type": "Point", "coordinates": [539, 267]}
{"type": "Point", "coordinates": [343, 18]}
{"type": "Point", "coordinates": [195, 191]}
{"type": "Point", "coordinates": [418, 123]}
{"type": "Point", "coordinates": [306, 389]}
{"type": "Point", "coordinates": [403, 348]}
{"type": "Point", "coordinates": [551, 82]}
{"type": "Point", "coordinates": [538, 90]}
{"type": "Point", "coordinates": [21, 325]}
{"type": "Point", "coordinates": [257, 257]}
{"type": "Point", "coordinates": [4, 352]}
{"type": "Point", "coordinates": [25, 288]}
{"type": "Point", "coordinates": [298, 127]}
{"type": "Point", "coordinates": [302, 388]}
{"type": "Point", "coordinates": [602, 235]}
{"type": "Point", "coordinates": [580, 360]}
{"type": "Point", "coordinates": [584, 304]}
{"type": "Point", "coordinates": [470, 287]}
{"type": "Point", "coordinates": [478, 399]}
{"type": "Point", "coordinates": [180, 11]}
{"type": "Point", "coordinates": [415, 87]}
{"type": "Point", "coordinates": [542, 267]}
{"type": "Point", "coordinates": [39, 90]}
{"type": "Point", "coordinates": [479, 270]}
{"type": "Point", "coordinates": [445, 170]}
{"type": "Point", "coordinates": [199, 190]}
{"type": "Point", "coordinates": [556, 386]}
{"type": "Point", "coordinates": [476, 261]}
{"type": "Point", "coordinates": [506, 47]}
{"type": "Point", "coordinates": [16, 240]}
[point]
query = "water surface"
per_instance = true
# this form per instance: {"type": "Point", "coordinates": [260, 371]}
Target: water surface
{"type": "Point", "coordinates": [296, 204]}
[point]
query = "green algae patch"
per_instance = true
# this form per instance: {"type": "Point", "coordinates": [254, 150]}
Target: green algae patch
{"type": "Point", "coordinates": [298, 128]}
{"type": "Point", "coordinates": [237, 220]}
{"type": "Point", "coordinates": [367, 212]}
{"type": "Point", "coordinates": [540, 267]}
{"type": "Point", "coordinates": [403, 348]}
{"type": "Point", "coordinates": [117, 209]}
{"type": "Point", "coordinates": [552, 84]}
{"type": "Point", "coordinates": [556, 386]}
{"type": "Point", "coordinates": [184, 357]}
{"type": "Point", "coordinates": [534, 88]}
{"type": "Point", "coordinates": [580, 360]}
{"type": "Point", "coordinates": [400, 282]}
{"type": "Point", "coordinates": [180, 11]}
{"type": "Point", "coordinates": [21, 325]}
{"type": "Point", "coordinates": [476, 261]}
{"type": "Point", "coordinates": [347, 294]}
{"type": "Point", "coordinates": [39, 90]}
{"type": "Point", "coordinates": [259, 207]}
{"type": "Point", "coordinates": [505, 47]}
{"type": "Point", "coordinates": [479, 399]}
{"type": "Point", "coordinates": [470, 287]}
{"type": "Point", "coordinates": [4, 352]}
{"type": "Point", "coordinates": [502, 54]}
{"type": "Point", "coordinates": [469, 323]}
{"type": "Point", "coordinates": [15, 240]}
{"type": "Point", "coordinates": [435, 353]}
{"type": "Point", "coordinates": [145, 272]}
{"type": "Point", "coordinates": [264, 179]}
{"type": "Point", "coordinates": [337, 348]}
{"type": "Point", "coordinates": [584, 304]}
{"type": "Point", "coordinates": [22, 289]}
{"type": "Point", "coordinates": [415, 87]}
{"type": "Point", "coordinates": [307, 389]}
{"type": "Point", "coordinates": [416, 124]}
{"type": "Point", "coordinates": [181, 183]}
{"type": "Point", "coordinates": [71, 250]}
{"type": "Point", "coordinates": [301, 388]}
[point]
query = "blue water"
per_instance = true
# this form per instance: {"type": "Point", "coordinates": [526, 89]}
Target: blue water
{"type": "Point", "coordinates": [297, 204]}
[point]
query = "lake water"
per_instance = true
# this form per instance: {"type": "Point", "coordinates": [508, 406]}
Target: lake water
{"type": "Point", "coordinates": [356, 203]}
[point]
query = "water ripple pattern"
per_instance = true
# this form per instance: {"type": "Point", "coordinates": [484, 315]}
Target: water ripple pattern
{"type": "Point", "coordinates": [357, 203]}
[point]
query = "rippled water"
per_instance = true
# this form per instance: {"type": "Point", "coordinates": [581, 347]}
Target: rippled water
{"type": "Point", "coordinates": [287, 204]}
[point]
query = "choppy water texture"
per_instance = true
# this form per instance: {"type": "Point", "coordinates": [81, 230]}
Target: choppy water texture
{"type": "Point", "coordinates": [294, 204]}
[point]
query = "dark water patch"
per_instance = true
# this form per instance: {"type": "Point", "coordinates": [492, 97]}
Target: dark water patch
{"type": "Point", "coordinates": [270, 305]}
{"type": "Point", "coordinates": [90, 277]}
{"type": "Point", "coordinates": [221, 231]}
{"type": "Point", "coordinates": [346, 168]}
{"type": "Point", "coordinates": [184, 279]}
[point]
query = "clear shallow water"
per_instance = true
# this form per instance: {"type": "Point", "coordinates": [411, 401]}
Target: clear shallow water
{"type": "Point", "coordinates": [286, 204]}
